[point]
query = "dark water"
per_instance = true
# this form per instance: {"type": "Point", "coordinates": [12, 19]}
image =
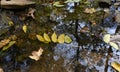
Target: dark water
{"type": "Point", "coordinates": [86, 53]}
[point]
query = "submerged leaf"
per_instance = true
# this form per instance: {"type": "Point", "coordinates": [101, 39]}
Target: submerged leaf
{"type": "Point", "coordinates": [46, 37]}
{"type": "Point", "coordinates": [61, 38]}
{"type": "Point", "coordinates": [54, 37]}
{"type": "Point", "coordinates": [67, 39]}
{"type": "Point", "coordinates": [40, 38]}
{"type": "Point", "coordinates": [106, 38]}
{"type": "Point", "coordinates": [24, 28]}
{"type": "Point", "coordinates": [9, 45]}
{"type": "Point", "coordinates": [116, 66]}
{"type": "Point", "coordinates": [114, 45]}
{"type": "Point", "coordinates": [36, 54]}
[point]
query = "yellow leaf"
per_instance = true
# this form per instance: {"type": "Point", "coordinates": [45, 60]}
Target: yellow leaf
{"type": "Point", "coordinates": [61, 38]}
{"type": "Point", "coordinates": [57, 4]}
{"type": "Point", "coordinates": [54, 37]}
{"type": "Point", "coordinates": [114, 45]}
{"type": "Point", "coordinates": [9, 45]}
{"type": "Point", "coordinates": [10, 23]}
{"type": "Point", "coordinates": [67, 39]}
{"type": "Point", "coordinates": [116, 66]}
{"type": "Point", "coordinates": [40, 38]}
{"type": "Point", "coordinates": [46, 37]}
{"type": "Point", "coordinates": [36, 54]}
{"type": "Point", "coordinates": [24, 28]}
{"type": "Point", "coordinates": [106, 38]}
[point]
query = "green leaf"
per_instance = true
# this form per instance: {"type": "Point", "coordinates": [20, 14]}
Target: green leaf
{"type": "Point", "coordinates": [106, 38]}
{"type": "Point", "coordinates": [114, 45]}
{"type": "Point", "coordinates": [116, 66]}
{"type": "Point", "coordinates": [54, 37]}
{"type": "Point", "coordinates": [46, 37]}
{"type": "Point", "coordinates": [61, 38]}
{"type": "Point", "coordinates": [67, 39]}
{"type": "Point", "coordinates": [9, 45]}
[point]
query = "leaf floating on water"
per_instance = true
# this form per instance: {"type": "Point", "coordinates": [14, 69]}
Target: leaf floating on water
{"type": "Point", "coordinates": [46, 37]}
{"type": "Point", "coordinates": [106, 38]}
{"type": "Point", "coordinates": [68, 39]}
{"type": "Point", "coordinates": [116, 66]}
{"type": "Point", "coordinates": [4, 42]}
{"type": "Point", "coordinates": [90, 10]}
{"type": "Point", "coordinates": [54, 37]}
{"type": "Point", "coordinates": [24, 28]}
{"type": "Point", "coordinates": [40, 38]}
{"type": "Point", "coordinates": [61, 38]}
{"type": "Point", "coordinates": [9, 45]}
{"type": "Point", "coordinates": [57, 4]}
{"type": "Point", "coordinates": [114, 45]}
{"type": "Point", "coordinates": [36, 54]}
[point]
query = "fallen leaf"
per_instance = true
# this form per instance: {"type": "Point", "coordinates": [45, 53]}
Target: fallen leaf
{"type": "Point", "coordinates": [10, 23]}
{"type": "Point", "coordinates": [9, 45]}
{"type": "Point", "coordinates": [1, 70]}
{"type": "Point", "coordinates": [58, 4]}
{"type": "Point", "coordinates": [114, 45]}
{"type": "Point", "coordinates": [61, 38]}
{"type": "Point", "coordinates": [40, 38]}
{"type": "Point", "coordinates": [54, 37]}
{"type": "Point", "coordinates": [46, 37]}
{"type": "Point", "coordinates": [67, 39]}
{"type": "Point", "coordinates": [90, 10]}
{"type": "Point", "coordinates": [36, 54]}
{"type": "Point", "coordinates": [4, 42]}
{"type": "Point", "coordinates": [106, 38]}
{"type": "Point", "coordinates": [116, 66]}
{"type": "Point", "coordinates": [24, 28]}
{"type": "Point", "coordinates": [71, 1]}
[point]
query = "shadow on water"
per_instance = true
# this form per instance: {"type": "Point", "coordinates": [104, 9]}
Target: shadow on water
{"type": "Point", "coordinates": [86, 53]}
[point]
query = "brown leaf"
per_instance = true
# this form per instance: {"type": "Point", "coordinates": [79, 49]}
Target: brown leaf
{"type": "Point", "coordinates": [4, 42]}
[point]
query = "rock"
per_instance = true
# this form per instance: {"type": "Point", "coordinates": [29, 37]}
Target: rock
{"type": "Point", "coordinates": [15, 4]}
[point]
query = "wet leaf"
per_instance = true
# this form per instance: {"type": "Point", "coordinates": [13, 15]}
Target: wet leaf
{"type": "Point", "coordinates": [106, 38]}
{"type": "Point", "coordinates": [40, 38]}
{"type": "Point", "coordinates": [61, 38]}
{"type": "Point", "coordinates": [36, 54]}
{"type": "Point", "coordinates": [90, 10]}
{"type": "Point", "coordinates": [9, 45]}
{"type": "Point", "coordinates": [4, 42]}
{"type": "Point", "coordinates": [24, 28]}
{"type": "Point", "coordinates": [116, 66]}
{"type": "Point", "coordinates": [68, 39]}
{"type": "Point", "coordinates": [57, 4]}
{"type": "Point", "coordinates": [54, 37]}
{"type": "Point", "coordinates": [70, 1]}
{"type": "Point", "coordinates": [10, 23]}
{"type": "Point", "coordinates": [114, 45]}
{"type": "Point", "coordinates": [46, 37]}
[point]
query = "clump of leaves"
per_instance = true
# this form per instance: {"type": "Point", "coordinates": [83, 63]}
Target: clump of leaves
{"type": "Point", "coordinates": [116, 66]}
{"type": "Point", "coordinates": [36, 54]}
{"type": "Point", "coordinates": [106, 39]}
{"type": "Point", "coordinates": [54, 38]}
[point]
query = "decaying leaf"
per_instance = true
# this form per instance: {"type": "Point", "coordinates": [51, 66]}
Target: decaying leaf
{"type": "Point", "coordinates": [90, 10]}
{"type": "Point", "coordinates": [24, 28]}
{"type": "Point", "coordinates": [46, 37]}
{"type": "Point", "coordinates": [54, 37]}
{"type": "Point", "coordinates": [114, 45]}
{"type": "Point", "coordinates": [10, 23]}
{"type": "Point", "coordinates": [61, 38]}
{"type": "Point", "coordinates": [9, 45]}
{"type": "Point", "coordinates": [106, 38]}
{"type": "Point", "coordinates": [4, 42]}
{"type": "Point", "coordinates": [116, 66]}
{"type": "Point", "coordinates": [58, 4]}
{"type": "Point", "coordinates": [67, 39]}
{"type": "Point", "coordinates": [36, 54]}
